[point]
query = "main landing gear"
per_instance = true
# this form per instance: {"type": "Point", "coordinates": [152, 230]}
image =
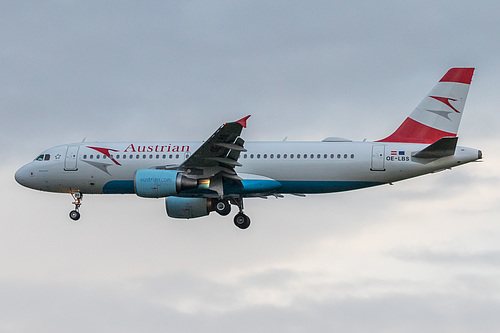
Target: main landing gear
{"type": "Point", "coordinates": [241, 220]}
{"type": "Point", "coordinates": [75, 214]}
{"type": "Point", "coordinates": [223, 208]}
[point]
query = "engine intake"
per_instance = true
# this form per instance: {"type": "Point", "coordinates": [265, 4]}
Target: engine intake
{"type": "Point", "coordinates": [150, 183]}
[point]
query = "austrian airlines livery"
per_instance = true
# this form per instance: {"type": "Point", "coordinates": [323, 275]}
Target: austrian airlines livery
{"type": "Point", "coordinates": [196, 178]}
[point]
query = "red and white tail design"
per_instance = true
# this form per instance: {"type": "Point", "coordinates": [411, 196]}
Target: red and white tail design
{"type": "Point", "coordinates": [439, 113]}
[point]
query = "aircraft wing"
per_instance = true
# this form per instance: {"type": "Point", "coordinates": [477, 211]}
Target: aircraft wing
{"type": "Point", "coordinates": [220, 153]}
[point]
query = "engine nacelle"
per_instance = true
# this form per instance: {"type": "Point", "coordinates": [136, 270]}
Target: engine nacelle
{"type": "Point", "coordinates": [151, 183]}
{"type": "Point", "coordinates": [188, 208]}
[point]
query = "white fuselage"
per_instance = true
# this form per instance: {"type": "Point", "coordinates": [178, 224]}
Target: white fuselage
{"type": "Point", "coordinates": [300, 167]}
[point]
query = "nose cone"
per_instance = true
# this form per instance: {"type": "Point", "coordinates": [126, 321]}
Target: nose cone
{"type": "Point", "coordinates": [22, 176]}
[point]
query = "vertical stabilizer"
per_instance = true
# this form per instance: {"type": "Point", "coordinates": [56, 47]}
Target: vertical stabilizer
{"type": "Point", "coordinates": [439, 113]}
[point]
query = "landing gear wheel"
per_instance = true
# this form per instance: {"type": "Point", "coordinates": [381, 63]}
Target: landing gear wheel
{"type": "Point", "coordinates": [223, 207]}
{"type": "Point", "coordinates": [74, 215]}
{"type": "Point", "coordinates": [242, 221]}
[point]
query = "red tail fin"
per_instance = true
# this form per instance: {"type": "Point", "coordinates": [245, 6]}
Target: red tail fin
{"type": "Point", "coordinates": [439, 113]}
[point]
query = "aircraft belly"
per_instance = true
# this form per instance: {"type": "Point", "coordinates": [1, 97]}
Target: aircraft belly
{"type": "Point", "coordinates": [306, 187]}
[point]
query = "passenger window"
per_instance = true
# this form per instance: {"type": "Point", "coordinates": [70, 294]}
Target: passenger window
{"type": "Point", "coordinates": [338, 155]}
{"type": "Point", "coordinates": [151, 157]}
{"type": "Point", "coordinates": [244, 155]}
{"type": "Point", "coordinates": [332, 156]}
{"type": "Point", "coordinates": [284, 155]}
{"type": "Point", "coordinates": [312, 155]}
{"type": "Point", "coordinates": [305, 155]}
{"type": "Point", "coordinates": [97, 156]}
{"type": "Point", "coordinates": [177, 156]}
{"type": "Point", "coordinates": [265, 155]}
{"type": "Point", "coordinates": [345, 155]}
{"type": "Point", "coordinates": [85, 157]}
{"type": "Point", "coordinates": [278, 156]}
{"type": "Point", "coordinates": [352, 155]}
{"type": "Point", "coordinates": [164, 156]}
{"type": "Point", "coordinates": [251, 155]}
{"type": "Point", "coordinates": [258, 155]}
{"type": "Point", "coordinates": [170, 156]}
{"type": "Point", "coordinates": [103, 157]}
{"type": "Point", "coordinates": [157, 156]}
{"type": "Point", "coordinates": [271, 156]}
{"type": "Point", "coordinates": [298, 156]}
{"type": "Point", "coordinates": [137, 156]}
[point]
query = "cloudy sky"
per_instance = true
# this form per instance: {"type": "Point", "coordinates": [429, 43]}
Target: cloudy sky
{"type": "Point", "coordinates": [420, 256]}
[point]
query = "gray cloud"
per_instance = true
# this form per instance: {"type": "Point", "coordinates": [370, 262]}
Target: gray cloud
{"type": "Point", "coordinates": [450, 258]}
{"type": "Point", "coordinates": [59, 308]}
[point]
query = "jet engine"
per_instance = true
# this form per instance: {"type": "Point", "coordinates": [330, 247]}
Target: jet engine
{"type": "Point", "coordinates": [151, 183]}
{"type": "Point", "coordinates": [188, 208]}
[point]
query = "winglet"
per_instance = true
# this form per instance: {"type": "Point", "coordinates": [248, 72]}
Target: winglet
{"type": "Point", "coordinates": [243, 121]}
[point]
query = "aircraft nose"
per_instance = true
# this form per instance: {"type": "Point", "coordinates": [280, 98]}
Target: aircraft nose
{"type": "Point", "coordinates": [22, 175]}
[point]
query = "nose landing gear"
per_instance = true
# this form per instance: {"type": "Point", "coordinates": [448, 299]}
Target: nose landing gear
{"type": "Point", "coordinates": [75, 214]}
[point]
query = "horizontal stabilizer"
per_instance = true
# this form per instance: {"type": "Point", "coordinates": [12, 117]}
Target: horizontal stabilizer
{"type": "Point", "coordinates": [441, 148]}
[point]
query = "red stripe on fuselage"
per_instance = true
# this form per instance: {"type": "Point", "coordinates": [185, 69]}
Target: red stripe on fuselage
{"type": "Point", "coordinates": [412, 131]}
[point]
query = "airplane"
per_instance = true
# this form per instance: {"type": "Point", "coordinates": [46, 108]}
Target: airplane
{"type": "Point", "coordinates": [197, 178]}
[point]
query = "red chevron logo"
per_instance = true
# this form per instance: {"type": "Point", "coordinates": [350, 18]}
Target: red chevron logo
{"type": "Point", "coordinates": [106, 151]}
{"type": "Point", "coordinates": [446, 100]}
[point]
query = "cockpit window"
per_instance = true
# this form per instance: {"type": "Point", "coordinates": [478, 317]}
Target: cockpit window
{"type": "Point", "coordinates": [43, 157]}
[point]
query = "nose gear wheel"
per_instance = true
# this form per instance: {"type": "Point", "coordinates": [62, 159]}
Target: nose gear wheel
{"type": "Point", "coordinates": [77, 197]}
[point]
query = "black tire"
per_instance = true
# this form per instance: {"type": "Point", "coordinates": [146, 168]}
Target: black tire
{"type": "Point", "coordinates": [223, 207]}
{"type": "Point", "coordinates": [241, 221]}
{"type": "Point", "coordinates": [74, 215]}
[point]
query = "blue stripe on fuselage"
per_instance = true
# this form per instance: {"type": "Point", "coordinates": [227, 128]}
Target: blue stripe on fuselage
{"type": "Point", "coordinates": [287, 186]}
{"type": "Point", "coordinates": [119, 187]}
{"type": "Point", "coordinates": [306, 187]}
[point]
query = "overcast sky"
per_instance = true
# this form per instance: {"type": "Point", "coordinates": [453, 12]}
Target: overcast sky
{"type": "Point", "coordinates": [420, 256]}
